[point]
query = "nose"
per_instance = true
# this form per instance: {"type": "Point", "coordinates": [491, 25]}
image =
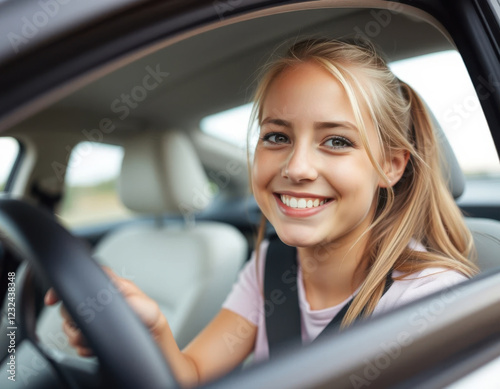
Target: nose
{"type": "Point", "coordinates": [300, 164]}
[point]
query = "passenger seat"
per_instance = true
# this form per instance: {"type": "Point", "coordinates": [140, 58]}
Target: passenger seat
{"type": "Point", "coordinates": [188, 267]}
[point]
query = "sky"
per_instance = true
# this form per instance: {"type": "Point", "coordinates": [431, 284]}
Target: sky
{"type": "Point", "coordinates": [441, 79]}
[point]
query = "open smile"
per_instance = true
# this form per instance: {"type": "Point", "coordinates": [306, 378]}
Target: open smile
{"type": "Point", "coordinates": [303, 202]}
{"type": "Point", "coordinates": [301, 205]}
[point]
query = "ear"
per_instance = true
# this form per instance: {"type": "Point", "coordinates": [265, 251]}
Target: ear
{"type": "Point", "coordinates": [395, 167]}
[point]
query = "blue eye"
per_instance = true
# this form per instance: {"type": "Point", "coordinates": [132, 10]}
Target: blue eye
{"type": "Point", "coordinates": [338, 142]}
{"type": "Point", "coordinates": [275, 137]}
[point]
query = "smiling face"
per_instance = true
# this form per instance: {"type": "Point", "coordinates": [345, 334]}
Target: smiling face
{"type": "Point", "coordinates": [311, 175]}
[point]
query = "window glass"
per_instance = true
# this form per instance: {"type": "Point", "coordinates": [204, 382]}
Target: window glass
{"type": "Point", "coordinates": [230, 126]}
{"type": "Point", "coordinates": [90, 195]}
{"type": "Point", "coordinates": [9, 150]}
{"type": "Point", "coordinates": [444, 83]}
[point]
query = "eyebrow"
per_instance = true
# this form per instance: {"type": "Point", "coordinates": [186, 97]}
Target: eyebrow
{"type": "Point", "coordinates": [277, 122]}
{"type": "Point", "coordinates": [342, 123]}
{"type": "Point", "coordinates": [317, 125]}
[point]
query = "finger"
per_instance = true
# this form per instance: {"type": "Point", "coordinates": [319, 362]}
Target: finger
{"type": "Point", "coordinates": [51, 297]}
{"type": "Point", "coordinates": [65, 315]}
{"type": "Point", "coordinates": [147, 310]}
{"type": "Point", "coordinates": [75, 336]}
{"type": "Point", "coordinates": [125, 286]}
{"type": "Point", "coordinates": [109, 271]}
{"type": "Point", "coordinates": [84, 352]}
{"type": "Point", "coordinates": [112, 275]}
{"type": "Point", "coordinates": [120, 283]}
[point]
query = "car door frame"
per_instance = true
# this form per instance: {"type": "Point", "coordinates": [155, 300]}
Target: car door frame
{"type": "Point", "coordinates": [100, 37]}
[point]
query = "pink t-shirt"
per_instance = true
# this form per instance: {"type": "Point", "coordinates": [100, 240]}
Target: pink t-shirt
{"type": "Point", "coordinates": [246, 298]}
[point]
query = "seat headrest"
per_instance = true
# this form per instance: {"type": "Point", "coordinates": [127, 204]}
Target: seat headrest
{"type": "Point", "coordinates": [161, 173]}
{"type": "Point", "coordinates": [449, 163]}
{"type": "Point", "coordinates": [452, 171]}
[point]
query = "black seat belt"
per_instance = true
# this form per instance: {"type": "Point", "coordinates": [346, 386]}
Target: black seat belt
{"type": "Point", "coordinates": [281, 300]}
{"type": "Point", "coordinates": [282, 310]}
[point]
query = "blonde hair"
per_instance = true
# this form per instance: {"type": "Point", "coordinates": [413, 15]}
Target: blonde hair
{"type": "Point", "coordinates": [419, 206]}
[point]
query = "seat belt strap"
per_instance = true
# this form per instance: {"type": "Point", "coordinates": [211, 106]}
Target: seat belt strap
{"type": "Point", "coordinates": [281, 300]}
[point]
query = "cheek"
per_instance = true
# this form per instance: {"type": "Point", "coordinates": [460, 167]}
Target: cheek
{"type": "Point", "coordinates": [261, 172]}
{"type": "Point", "coordinates": [261, 177]}
{"type": "Point", "coordinates": [356, 179]}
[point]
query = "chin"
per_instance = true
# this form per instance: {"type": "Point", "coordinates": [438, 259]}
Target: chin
{"type": "Point", "coordinates": [297, 238]}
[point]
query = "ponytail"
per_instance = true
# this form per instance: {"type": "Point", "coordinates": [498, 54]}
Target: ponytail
{"type": "Point", "coordinates": [423, 210]}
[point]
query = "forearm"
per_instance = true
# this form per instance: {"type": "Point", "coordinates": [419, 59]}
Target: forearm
{"type": "Point", "coordinates": [183, 367]}
{"type": "Point", "coordinates": [208, 356]}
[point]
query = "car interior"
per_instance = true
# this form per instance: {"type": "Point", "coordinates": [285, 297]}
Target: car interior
{"type": "Point", "coordinates": [191, 220]}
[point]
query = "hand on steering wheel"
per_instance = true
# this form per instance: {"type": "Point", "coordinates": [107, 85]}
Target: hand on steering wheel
{"type": "Point", "coordinates": [146, 308]}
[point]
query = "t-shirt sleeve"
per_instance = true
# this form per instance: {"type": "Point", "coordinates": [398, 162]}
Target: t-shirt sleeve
{"type": "Point", "coordinates": [246, 297]}
{"type": "Point", "coordinates": [416, 286]}
{"type": "Point", "coordinates": [432, 281]}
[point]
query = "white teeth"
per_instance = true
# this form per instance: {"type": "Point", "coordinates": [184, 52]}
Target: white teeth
{"type": "Point", "coordinates": [301, 203]}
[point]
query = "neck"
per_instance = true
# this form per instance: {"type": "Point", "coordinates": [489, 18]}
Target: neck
{"type": "Point", "coordinates": [332, 273]}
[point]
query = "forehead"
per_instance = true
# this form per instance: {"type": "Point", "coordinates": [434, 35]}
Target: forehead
{"type": "Point", "coordinates": [306, 75]}
{"type": "Point", "coordinates": [310, 88]}
{"type": "Point", "coordinates": [305, 87]}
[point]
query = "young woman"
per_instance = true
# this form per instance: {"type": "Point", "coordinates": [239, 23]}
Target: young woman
{"type": "Point", "coordinates": [346, 169]}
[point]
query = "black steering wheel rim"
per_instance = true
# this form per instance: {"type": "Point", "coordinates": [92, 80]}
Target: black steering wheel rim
{"type": "Point", "coordinates": [124, 347]}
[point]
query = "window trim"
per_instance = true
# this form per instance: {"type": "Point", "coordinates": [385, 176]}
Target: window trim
{"type": "Point", "coordinates": [16, 167]}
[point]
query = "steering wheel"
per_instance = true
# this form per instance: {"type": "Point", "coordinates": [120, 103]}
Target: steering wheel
{"type": "Point", "coordinates": [128, 355]}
